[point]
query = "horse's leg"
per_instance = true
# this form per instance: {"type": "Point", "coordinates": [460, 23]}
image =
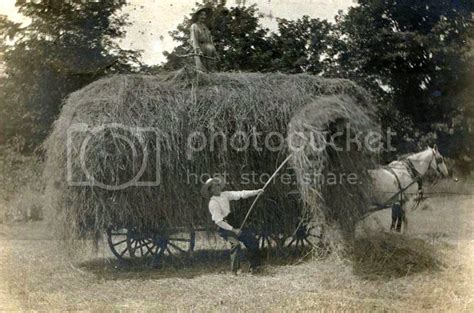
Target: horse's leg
{"type": "Point", "coordinates": [394, 220]}
{"type": "Point", "coordinates": [399, 224]}
{"type": "Point", "coordinates": [405, 221]}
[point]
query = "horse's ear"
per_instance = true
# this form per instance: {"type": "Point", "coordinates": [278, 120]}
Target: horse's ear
{"type": "Point", "coordinates": [435, 147]}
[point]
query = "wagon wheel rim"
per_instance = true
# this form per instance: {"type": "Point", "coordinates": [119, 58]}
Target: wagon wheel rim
{"type": "Point", "coordinates": [125, 244]}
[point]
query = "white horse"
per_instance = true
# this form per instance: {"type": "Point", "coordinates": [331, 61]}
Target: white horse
{"type": "Point", "coordinates": [401, 181]}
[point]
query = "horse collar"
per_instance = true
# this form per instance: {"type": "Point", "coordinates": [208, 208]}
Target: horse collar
{"type": "Point", "coordinates": [412, 169]}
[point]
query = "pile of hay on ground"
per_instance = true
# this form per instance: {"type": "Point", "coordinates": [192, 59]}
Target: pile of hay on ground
{"type": "Point", "coordinates": [386, 255]}
{"type": "Point", "coordinates": [173, 107]}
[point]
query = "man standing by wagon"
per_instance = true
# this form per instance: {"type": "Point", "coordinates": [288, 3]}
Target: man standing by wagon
{"type": "Point", "coordinates": [219, 206]}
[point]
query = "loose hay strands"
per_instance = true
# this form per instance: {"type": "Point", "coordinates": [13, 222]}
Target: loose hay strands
{"type": "Point", "coordinates": [393, 256]}
{"type": "Point", "coordinates": [342, 204]}
{"type": "Point", "coordinates": [220, 102]}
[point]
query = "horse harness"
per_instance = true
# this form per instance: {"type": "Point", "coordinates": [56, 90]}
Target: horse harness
{"type": "Point", "coordinates": [415, 175]}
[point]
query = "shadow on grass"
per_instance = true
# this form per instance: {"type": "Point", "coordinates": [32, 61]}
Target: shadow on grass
{"type": "Point", "coordinates": [187, 266]}
{"type": "Point", "coordinates": [391, 256]}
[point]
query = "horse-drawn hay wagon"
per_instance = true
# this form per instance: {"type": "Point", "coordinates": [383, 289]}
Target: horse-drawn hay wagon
{"type": "Point", "coordinates": [129, 153]}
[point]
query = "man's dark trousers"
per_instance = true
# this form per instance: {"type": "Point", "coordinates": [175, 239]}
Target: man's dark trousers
{"type": "Point", "coordinates": [250, 242]}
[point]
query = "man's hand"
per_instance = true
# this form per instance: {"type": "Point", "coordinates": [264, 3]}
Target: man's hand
{"type": "Point", "coordinates": [260, 191]}
{"type": "Point", "coordinates": [236, 231]}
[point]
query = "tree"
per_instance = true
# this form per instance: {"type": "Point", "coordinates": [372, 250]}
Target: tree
{"type": "Point", "coordinates": [67, 45]}
{"type": "Point", "coordinates": [301, 45]}
{"type": "Point", "coordinates": [414, 56]}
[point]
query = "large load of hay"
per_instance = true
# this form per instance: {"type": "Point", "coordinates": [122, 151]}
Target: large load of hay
{"type": "Point", "coordinates": [185, 127]}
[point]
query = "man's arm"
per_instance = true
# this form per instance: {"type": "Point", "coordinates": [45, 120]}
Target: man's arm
{"type": "Point", "coordinates": [217, 216]}
{"type": "Point", "coordinates": [236, 195]}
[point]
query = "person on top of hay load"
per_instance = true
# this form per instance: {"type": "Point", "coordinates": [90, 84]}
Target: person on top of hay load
{"type": "Point", "coordinates": [205, 54]}
{"type": "Point", "coordinates": [219, 207]}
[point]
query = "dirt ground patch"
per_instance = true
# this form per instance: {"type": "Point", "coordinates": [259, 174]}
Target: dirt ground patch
{"type": "Point", "coordinates": [36, 275]}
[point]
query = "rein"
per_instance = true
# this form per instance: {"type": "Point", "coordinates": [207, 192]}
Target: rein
{"type": "Point", "coordinates": [416, 176]}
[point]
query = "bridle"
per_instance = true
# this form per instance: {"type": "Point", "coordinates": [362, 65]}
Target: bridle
{"type": "Point", "coordinates": [416, 174]}
{"type": "Point", "coordinates": [439, 160]}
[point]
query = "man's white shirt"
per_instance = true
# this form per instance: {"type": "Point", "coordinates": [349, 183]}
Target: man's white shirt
{"type": "Point", "coordinates": [219, 206]}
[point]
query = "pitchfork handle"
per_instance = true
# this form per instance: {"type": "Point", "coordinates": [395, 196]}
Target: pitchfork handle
{"type": "Point", "coordinates": [265, 186]}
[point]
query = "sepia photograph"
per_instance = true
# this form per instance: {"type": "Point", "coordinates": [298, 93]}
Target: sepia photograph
{"type": "Point", "coordinates": [236, 155]}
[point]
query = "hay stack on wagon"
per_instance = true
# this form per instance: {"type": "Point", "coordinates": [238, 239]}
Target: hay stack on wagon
{"type": "Point", "coordinates": [174, 106]}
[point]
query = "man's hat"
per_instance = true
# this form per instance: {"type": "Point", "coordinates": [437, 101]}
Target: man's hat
{"type": "Point", "coordinates": [206, 188]}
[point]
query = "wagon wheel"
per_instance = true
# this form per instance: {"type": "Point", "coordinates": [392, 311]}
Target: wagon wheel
{"type": "Point", "coordinates": [174, 244]}
{"type": "Point", "coordinates": [302, 237]}
{"type": "Point", "coordinates": [127, 243]}
{"type": "Point", "coordinates": [265, 239]}
{"type": "Point", "coordinates": [268, 235]}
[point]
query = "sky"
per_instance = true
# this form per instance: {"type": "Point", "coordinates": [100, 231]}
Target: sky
{"type": "Point", "coordinates": [152, 20]}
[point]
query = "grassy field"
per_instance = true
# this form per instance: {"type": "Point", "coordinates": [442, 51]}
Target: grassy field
{"type": "Point", "coordinates": [37, 275]}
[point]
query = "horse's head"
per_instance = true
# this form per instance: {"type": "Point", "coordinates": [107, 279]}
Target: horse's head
{"type": "Point", "coordinates": [437, 163]}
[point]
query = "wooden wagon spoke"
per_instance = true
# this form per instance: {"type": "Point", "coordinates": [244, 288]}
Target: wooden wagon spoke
{"type": "Point", "coordinates": [141, 245]}
{"type": "Point", "coordinates": [150, 251]}
{"type": "Point", "coordinates": [123, 252]}
{"type": "Point", "coordinates": [132, 247]}
{"type": "Point", "coordinates": [176, 247]}
{"type": "Point", "coordinates": [120, 242]}
{"type": "Point", "coordinates": [148, 241]}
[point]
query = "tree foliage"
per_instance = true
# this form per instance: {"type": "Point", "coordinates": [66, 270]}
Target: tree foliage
{"type": "Point", "coordinates": [414, 56]}
{"type": "Point", "coordinates": [301, 46]}
{"type": "Point", "coordinates": [66, 45]}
